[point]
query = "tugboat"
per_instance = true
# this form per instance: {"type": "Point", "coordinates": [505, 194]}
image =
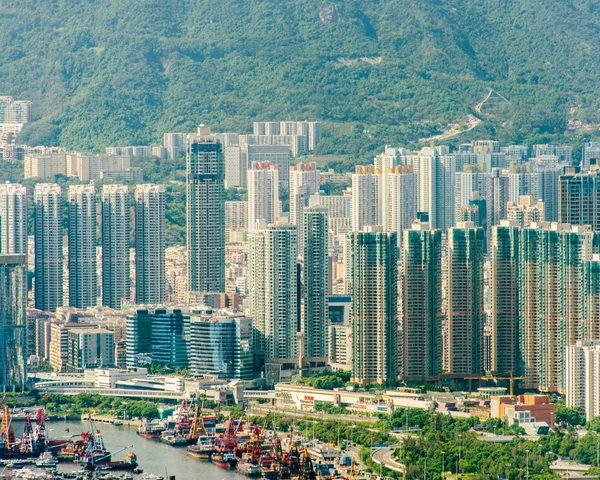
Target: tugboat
{"type": "Point", "coordinates": [150, 430]}
{"type": "Point", "coordinates": [224, 460]}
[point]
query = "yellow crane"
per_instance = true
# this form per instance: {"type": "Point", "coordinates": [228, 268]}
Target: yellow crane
{"type": "Point", "coordinates": [495, 378]}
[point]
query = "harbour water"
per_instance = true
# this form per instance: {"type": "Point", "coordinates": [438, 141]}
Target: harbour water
{"type": "Point", "coordinates": [153, 456]}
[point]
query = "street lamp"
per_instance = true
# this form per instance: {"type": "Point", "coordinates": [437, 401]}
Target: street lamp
{"type": "Point", "coordinates": [459, 452]}
{"type": "Point", "coordinates": [527, 471]}
{"type": "Point", "coordinates": [443, 461]}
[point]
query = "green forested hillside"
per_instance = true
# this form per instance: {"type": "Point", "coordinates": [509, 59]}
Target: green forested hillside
{"type": "Point", "coordinates": [109, 72]}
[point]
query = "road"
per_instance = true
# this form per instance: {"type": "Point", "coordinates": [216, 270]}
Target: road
{"type": "Point", "coordinates": [254, 410]}
{"type": "Point", "coordinates": [384, 455]}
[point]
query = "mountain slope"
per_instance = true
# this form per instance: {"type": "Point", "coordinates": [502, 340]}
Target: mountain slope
{"type": "Point", "coordinates": [104, 72]}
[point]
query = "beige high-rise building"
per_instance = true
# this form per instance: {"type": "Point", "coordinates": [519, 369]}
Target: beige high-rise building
{"type": "Point", "coordinates": [304, 182]}
{"type": "Point", "coordinates": [365, 197]}
{"type": "Point", "coordinates": [150, 235]}
{"type": "Point", "coordinates": [83, 283]}
{"type": "Point", "coordinates": [48, 246]}
{"type": "Point", "coordinates": [13, 218]}
{"type": "Point", "coordinates": [263, 195]}
{"type": "Point", "coordinates": [526, 212]}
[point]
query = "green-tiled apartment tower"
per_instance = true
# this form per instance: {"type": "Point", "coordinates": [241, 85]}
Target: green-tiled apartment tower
{"type": "Point", "coordinates": [373, 283]}
{"type": "Point", "coordinates": [466, 251]}
{"type": "Point", "coordinates": [421, 315]}
{"type": "Point", "coordinates": [504, 259]}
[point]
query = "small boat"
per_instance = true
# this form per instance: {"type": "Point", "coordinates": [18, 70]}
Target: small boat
{"type": "Point", "coordinates": [174, 440]}
{"type": "Point", "coordinates": [46, 460]}
{"type": "Point", "coordinates": [249, 469]}
{"type": "Point", "coordinates": [130, 463]}
{"type": "Point", "coordinates": [224, 460]}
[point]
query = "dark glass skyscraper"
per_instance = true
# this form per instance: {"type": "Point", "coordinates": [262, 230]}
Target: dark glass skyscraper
{"type": "Point", "coordinates": [205, 215]}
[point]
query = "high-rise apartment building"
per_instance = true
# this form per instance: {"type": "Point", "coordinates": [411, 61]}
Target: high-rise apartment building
{"type": "Point", "coordinates": [465, 310]}
{"type": "Point", "coordinates": [174, 143]}
{"type": "Point", "coordinates": [13, 218]}
{"type": "Point", "coordinates": [421, 313]}
{"type": "Point", "coordinates": [591, 156]}
{"type": "Point", "coordinates": [526, 211]}
{"type": "Point", "coordinates": [116, 232]}
{"type": "Point", "coordinates": [83, 284]}
{"type": "Point", "coordinates": [236, 221]}
{"type": "Point", "coordinates": [304, 182]}
{"type": "Point", "coordinates": [436, 170]}
{"type": "Point", "coordinates": [365, 197]}
{"type": "Point", "coordinates": [504, 259]}
{"type": "Point", "coordinates": [205, 215]}
{"type": "Point", "coordinates": [263, 195]}
{"type": "Point", "coordinates": [14, 111]}
{"type": "Point", "coordinates": [48, 247]}
{"type": "Point", "coordinates": [400, 202]}
{"type": "Point", "coordinates": [273, 291]}
{"type": "Point", "coordinates": [373, 285]}
{"type": "Point", "coordinates": [583, 377]}
{"type": "Point", "coordinates": [579, 198]}
{"type": "Point", "coordinates": [551, 298]}
{"type": "Point", "coordinates": [315, 283]}
{"type": "Point", "coordinates": [150, 236]}
{"type": "Point", "coordinates": [13, 314]}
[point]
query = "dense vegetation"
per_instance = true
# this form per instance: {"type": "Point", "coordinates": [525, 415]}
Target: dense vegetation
{"type": "Point", "coordinates": [108, 72]}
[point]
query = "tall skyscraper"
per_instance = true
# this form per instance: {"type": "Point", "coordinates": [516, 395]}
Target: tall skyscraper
{"type": "Point", "coordinates": [400, 204]}
{"type": "Point", "coordinates": [263, 195]}
{"type": "Point", "coordinates": [116, 231]}
{"type": "Point", "coordinates": [504, 258]}
{"type": "Point", "coordinates": [304, 182]}
{"type": "Point", "coordinates": [315, 284]}
{"type": "Point", "coordinates": [13, 218]}
{"type": "Point", "coordinates": [579, 198]}
{"type": "Point", "coordinates": [365, 197]}
{"type": "Point", "coordinates": [421, 314]}
{"type": "Point", "coordinates": [150, 236]}
{"type": "Point", "coordinates": [551, 300]}
{"type": "Point", "coordinates": [13, 314]}
{"type": "Point", "coordinates": [205, 215]}
{"type": "Point", "coordinates": [302, 175]}
{"type": "Point", "coordinates": [273, 291]}
{"type": "Point", "coordinates": [373, 284]}
{"type": "Point", "coordinates": [436, 171]}
{"type": "Point", "coordinates": [465, 257]}
{"type": "Point", "coordinates": [48, 247]}
{"type": "Point", "coordinates": [83, 284]}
